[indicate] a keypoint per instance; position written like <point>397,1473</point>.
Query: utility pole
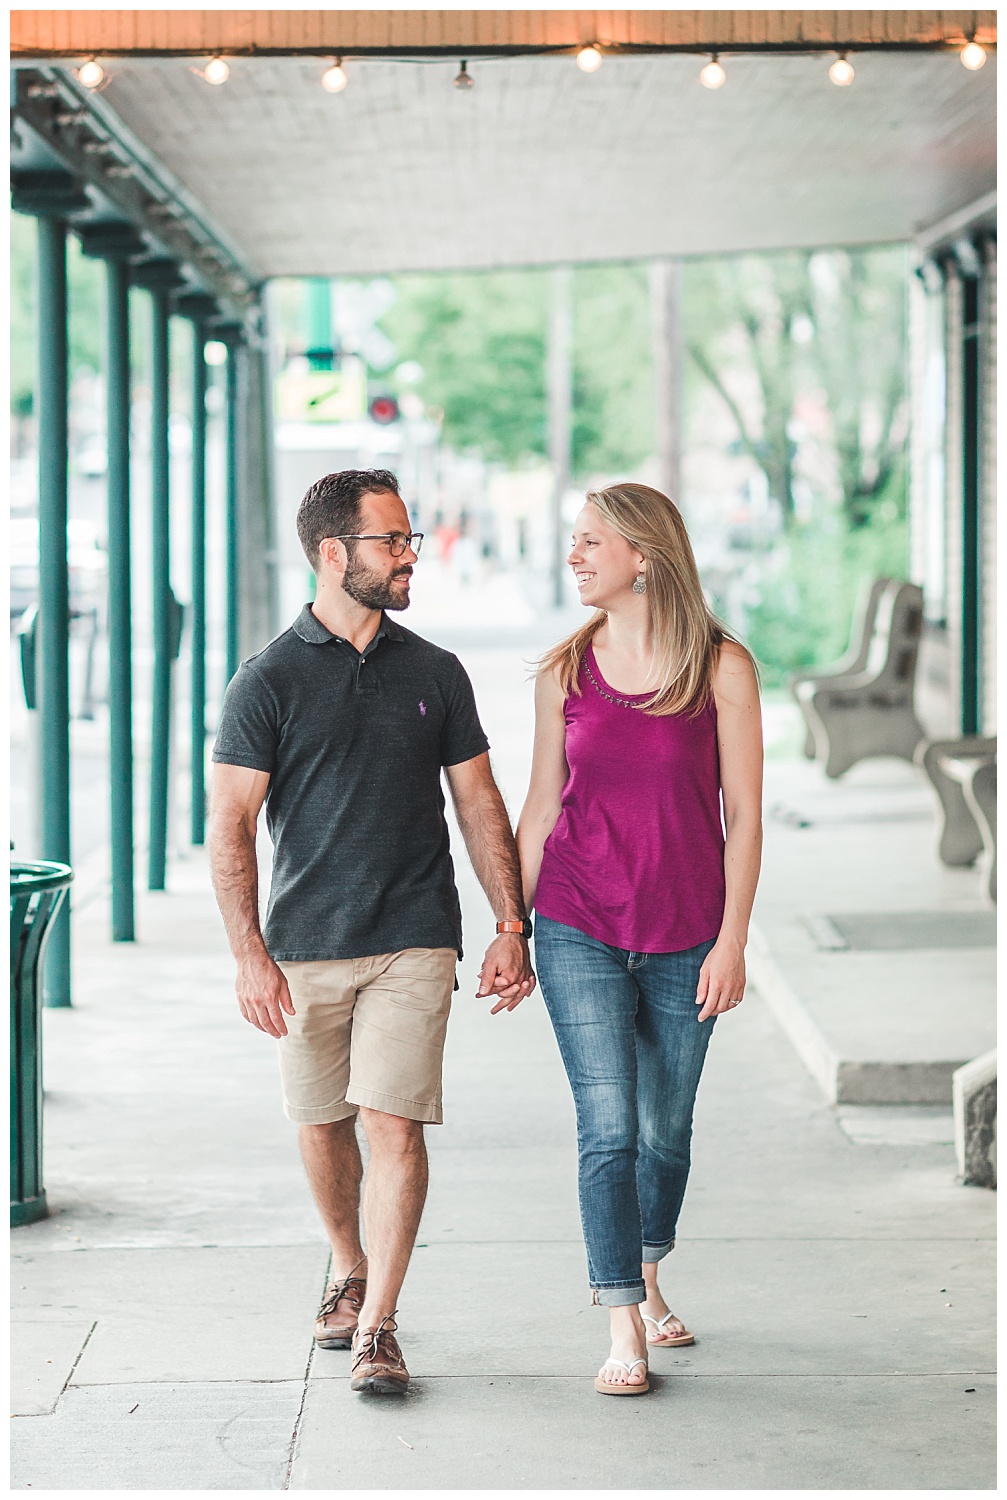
<point>559,401</point>
<point>666,324</point>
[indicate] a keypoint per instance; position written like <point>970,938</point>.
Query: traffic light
<point>384,409</point>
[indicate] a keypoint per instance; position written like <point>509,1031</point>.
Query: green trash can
<point>36,892</point>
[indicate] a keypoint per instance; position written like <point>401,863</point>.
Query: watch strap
<point>518,924</point>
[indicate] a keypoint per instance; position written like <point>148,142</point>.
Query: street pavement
<point>839,1282</point>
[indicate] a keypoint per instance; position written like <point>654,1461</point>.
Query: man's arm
<point>485,826</point>
<point>237,795</point>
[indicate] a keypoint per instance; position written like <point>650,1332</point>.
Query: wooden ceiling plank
<point>53,32</point>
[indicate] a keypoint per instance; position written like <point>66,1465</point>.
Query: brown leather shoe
<point>337,1316</point>
<point>378,1365</point>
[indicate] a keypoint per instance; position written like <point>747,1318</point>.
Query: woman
<point>645,719</point>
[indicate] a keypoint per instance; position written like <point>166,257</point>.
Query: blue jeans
<point>633,1048</point>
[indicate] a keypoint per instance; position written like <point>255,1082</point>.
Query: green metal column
<point>54,599</point>
<point>970,506</point>
<point>161,594</point>
<point>233,583</point>
<point>320,350</point>
<point>198,690</point>
<point>120,626</point>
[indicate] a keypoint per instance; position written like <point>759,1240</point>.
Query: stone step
<point>876,1027</point>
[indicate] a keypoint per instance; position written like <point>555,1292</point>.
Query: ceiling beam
<point>96,150</point>
<point>417,33</point>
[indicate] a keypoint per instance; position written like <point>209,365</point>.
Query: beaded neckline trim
<point>622,702</point>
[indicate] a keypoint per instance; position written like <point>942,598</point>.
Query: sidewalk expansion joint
<point>73,1367</point>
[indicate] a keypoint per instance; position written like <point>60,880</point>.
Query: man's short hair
<point>332,506</point>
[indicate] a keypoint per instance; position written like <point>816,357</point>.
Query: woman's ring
<point>734,1002</point>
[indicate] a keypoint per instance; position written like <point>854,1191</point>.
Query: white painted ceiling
<point>540,163</point>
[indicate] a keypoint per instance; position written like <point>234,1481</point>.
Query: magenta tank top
<point>636,858</point>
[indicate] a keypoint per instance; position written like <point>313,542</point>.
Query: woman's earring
<point>640,583</point>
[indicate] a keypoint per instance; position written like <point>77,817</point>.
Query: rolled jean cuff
<point>653,1253</point>
<point>623,1294</point>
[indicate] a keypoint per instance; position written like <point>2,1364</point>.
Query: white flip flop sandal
<point>668,1340</point>
<point>622,1388</point>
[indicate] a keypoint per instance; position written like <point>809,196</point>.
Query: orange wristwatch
<point>519,924</point>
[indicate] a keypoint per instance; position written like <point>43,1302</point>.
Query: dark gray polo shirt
<point>354,744</point>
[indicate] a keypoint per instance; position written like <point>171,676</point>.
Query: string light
<point>841,71</point>
<point>215,352</point>
<point>334,79</point>
<point>91,73</point>
<point>589,59</point>
<point>713,75</point>
<point>973,56</point>
<point>216,71</point>
<point>464,79</point>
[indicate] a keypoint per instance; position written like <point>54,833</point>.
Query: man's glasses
<point>397,540</point>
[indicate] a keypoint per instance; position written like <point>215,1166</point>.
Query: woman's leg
<point>592,1001</point>
<point>671,1050</point>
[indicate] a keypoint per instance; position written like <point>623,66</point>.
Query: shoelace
<point>351,1287</point>
<point>369,1351</point>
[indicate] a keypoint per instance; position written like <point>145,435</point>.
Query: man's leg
<point>331,1159</point>
<point>394,1194</point>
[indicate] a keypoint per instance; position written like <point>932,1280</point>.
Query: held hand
<point>263,995</point>
<point>721,979</point>
<point>506,972</point>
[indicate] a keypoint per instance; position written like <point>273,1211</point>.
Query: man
<point>342,726</point>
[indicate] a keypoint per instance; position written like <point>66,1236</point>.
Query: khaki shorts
<point>367,1031</point>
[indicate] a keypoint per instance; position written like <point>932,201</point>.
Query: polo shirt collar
<point>311,629</point>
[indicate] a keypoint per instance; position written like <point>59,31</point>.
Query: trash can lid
<point>27,876</point>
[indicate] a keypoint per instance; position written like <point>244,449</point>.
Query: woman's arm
<point>549,772</point>
<point>739,737</point>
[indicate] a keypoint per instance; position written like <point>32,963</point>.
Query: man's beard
<point>374,590</point>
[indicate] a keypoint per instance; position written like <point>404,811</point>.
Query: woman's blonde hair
<point>687,635</point>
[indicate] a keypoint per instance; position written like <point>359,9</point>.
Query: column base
<point>29,1211</point>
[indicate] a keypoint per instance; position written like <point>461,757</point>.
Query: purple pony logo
<point>423,707</point>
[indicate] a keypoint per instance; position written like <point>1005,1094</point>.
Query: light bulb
<point>713,75</point>
<point>334,80</point>
<point>216,71</point>
<point>215,352</point>
<point>841,71</point>
<point>589,59</point>
<point>464,79</point>
<point>973,56</point>
<point>91,73</point>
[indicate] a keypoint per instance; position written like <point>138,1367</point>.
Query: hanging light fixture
<point>973,56</point>
<point>91,73</point>
<point>216,71</point>
<point>841,71</point>
<point>334,79</point>
<point>713,75</point>
<point>464,79</point>
<point>589,59</point>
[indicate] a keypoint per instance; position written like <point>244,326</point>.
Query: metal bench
<point>849,665</point>
<point>869,713</point>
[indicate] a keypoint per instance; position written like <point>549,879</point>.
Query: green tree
<point>613,409</point>
<point>752,302</point>
<point>858,309</point>
<point>797,322</point>
<point>480,339</point>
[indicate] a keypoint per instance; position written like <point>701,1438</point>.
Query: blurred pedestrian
<point>342,726</point>
<point>647,721</point>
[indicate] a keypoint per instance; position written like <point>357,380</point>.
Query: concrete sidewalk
<point>841,1292</point>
